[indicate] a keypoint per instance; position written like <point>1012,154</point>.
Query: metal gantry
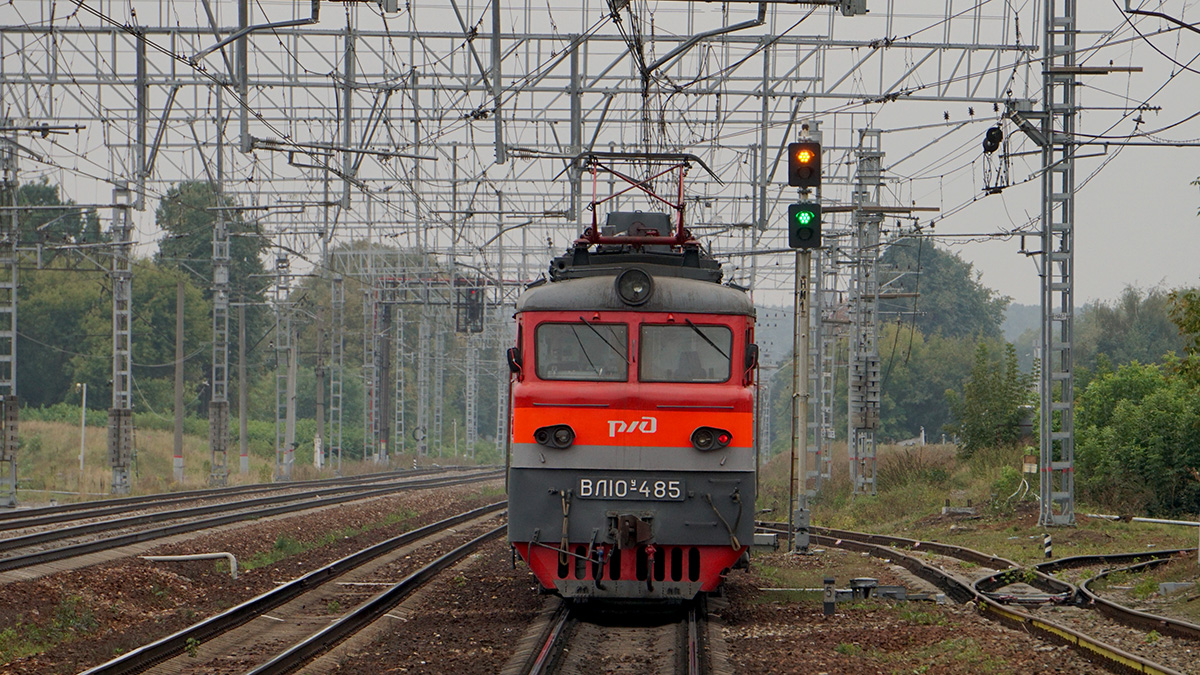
<point>285,367</point>
<point>370,367</point>
<point>864,375</point>
<point>452,129</point>
<point>826,333</point>
<point>1057,379</point>
<point>471,394</point>
<point>8,326</point>
<point>218,406</point>
<point>120,415</point>
<point>337,348</point>
<point>399,389</point>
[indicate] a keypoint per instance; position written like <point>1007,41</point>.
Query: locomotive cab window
<point>582,350</point>
<point>687,353</point>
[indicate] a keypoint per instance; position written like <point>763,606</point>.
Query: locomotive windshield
<point>594,352</point>
<point>688,353</point>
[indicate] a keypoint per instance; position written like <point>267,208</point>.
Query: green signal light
<point>805,230</point>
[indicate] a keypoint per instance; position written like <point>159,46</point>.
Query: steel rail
<point>1060,591</point>
<point>1111,657</point>
<point>1039,579</point>
<point>147,656</point>
<point>1136,618</point>
<point>1108,558</point>
<point>369,611</point>
<point>49,515</point>
<point>949,550</point>
<point>26,540</point>
<point>553,640</point>
<point>18,562</point>
<point>694,647</point>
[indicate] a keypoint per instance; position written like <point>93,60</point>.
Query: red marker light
<point>724,439</point>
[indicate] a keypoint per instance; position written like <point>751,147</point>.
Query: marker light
<point>705,439</point>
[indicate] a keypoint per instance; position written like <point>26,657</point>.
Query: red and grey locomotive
<point>632,459</point>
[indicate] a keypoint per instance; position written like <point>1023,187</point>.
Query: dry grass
<point>48,464</point>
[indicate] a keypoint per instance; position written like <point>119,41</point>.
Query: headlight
<point>634,286</point>
<point>558,436</point>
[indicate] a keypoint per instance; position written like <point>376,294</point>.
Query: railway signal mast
<point>804,234</point>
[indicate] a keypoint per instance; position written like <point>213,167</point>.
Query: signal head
<point>804,164</point>
<point>992,139</point>
<point>804,225</point>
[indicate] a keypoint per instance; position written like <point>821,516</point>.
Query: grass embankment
<point>48,463</point>
<point>915,482</point>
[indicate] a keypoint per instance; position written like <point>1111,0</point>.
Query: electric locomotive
<point>632,459</point>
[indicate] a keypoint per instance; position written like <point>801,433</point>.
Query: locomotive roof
<point>671,294</point>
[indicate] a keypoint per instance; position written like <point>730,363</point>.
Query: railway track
<point>27,518</point>
<point>30,550</point>
<point>247,638</point>
<point>580,639</point>
<point>1140,562</point>
<point>988,593</point>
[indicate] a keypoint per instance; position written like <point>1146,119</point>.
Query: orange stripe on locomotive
<point>647,428</point>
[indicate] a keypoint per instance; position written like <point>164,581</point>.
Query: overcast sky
<point>1136,221</point>
<point>1136,225</point>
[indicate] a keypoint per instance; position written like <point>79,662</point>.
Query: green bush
<point>1137,435</point>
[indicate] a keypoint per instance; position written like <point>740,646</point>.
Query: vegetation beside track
<point>48,463</point>
<point>915,483</point>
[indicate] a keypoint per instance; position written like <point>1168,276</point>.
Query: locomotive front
<point>632,456</point>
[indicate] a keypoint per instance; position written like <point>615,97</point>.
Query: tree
<point>53,344</point>
<point>53,226</point>
<point>952,301</point>
<point>1185,313</point>
<point>187,216</point>
<point>994,400</point>
<point>66,333</point>
<point>1135,327</point>
<point>917,371</point>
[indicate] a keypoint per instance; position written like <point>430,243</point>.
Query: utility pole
<point>289,433</point>
<point>319,441</point>
<point>241,49</point>
<point>178,458</point>
<point>826,303</point>
<point>799,496</point>
<point>804,234</point>
<point>370,365</point>
<point>243,428</point>
<point>497,85</point>
<point>384,358</point>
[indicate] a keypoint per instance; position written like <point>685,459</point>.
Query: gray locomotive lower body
<point>586,514</point>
